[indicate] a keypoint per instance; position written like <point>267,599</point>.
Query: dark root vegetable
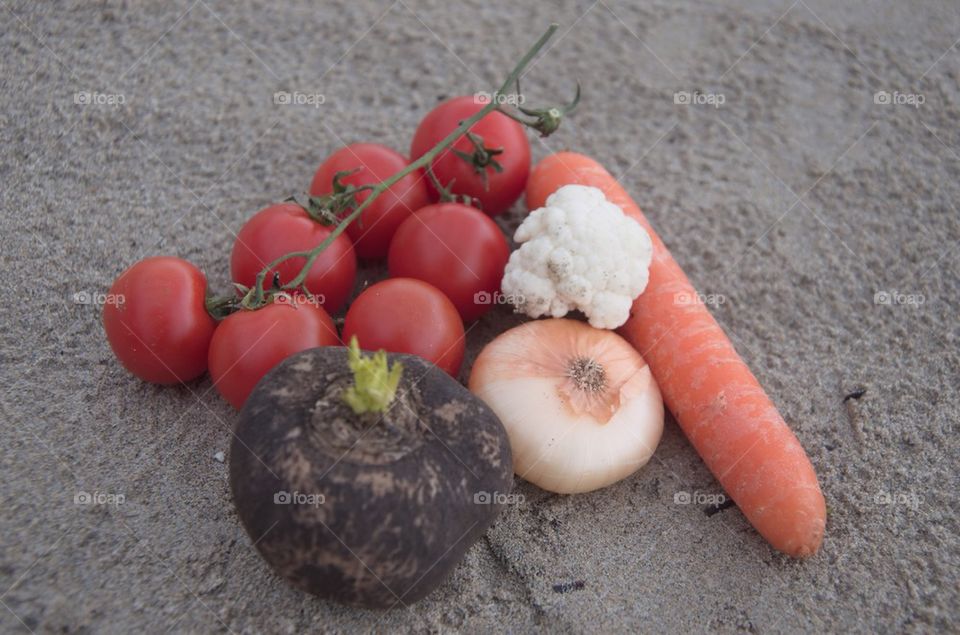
<point>366,509</point>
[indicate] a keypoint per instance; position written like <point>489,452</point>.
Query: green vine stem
<point>257,295</point>
<point>446,192</point>
<point>546,120</point>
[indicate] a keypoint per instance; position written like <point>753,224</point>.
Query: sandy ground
<point>822,224</point>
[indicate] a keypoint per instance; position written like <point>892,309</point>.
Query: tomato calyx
<point>446,193</point>
<point>329,209</point>
<point>220,306</point>
<point>545,120</point>
<point>481,158</point>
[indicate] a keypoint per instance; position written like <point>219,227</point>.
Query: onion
<point>580,405</point>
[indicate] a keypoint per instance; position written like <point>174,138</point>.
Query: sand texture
<point>821,225</point>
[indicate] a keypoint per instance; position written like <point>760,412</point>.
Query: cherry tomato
<point>157,322</point>
<point>248,344</point>
<point>457,249</point>
<point>403,315</point>
<point>372,231</point>
<point>497,131</point>
<point>286,227</point>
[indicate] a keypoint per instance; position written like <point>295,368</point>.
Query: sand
<point>821,223</point>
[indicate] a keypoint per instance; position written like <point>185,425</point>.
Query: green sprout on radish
<point>374,380</point>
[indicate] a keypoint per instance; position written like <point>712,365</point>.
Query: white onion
<point>580,405</point>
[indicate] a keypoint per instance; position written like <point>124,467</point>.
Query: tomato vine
<point>329,208</point>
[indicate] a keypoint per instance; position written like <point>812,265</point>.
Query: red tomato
<point>286,227</point>
<point>497,131</point>
<point>157,322</point>
<point>248,344</point>
<point>371,233</point>
<point>457,249</point>
<point>402,315</point>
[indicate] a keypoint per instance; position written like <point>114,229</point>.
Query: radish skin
<point>716,400</point>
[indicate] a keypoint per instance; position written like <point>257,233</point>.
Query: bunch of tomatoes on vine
<point>295,264</point>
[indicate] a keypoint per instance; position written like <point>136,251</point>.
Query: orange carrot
<point>714,397</point>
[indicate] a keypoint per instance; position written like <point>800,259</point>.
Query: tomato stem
<point>220,306</point>
<point>446,193</point>
<point>545,120</point>
<point>338,201</point>
<point>481,158</point>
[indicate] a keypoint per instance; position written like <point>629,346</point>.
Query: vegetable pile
<point>364,479</point>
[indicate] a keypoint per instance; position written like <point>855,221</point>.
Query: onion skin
<point>561,441</point>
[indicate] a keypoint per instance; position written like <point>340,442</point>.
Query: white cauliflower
<point>578,252</point>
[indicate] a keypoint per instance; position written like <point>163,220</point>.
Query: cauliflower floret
<point>578,252</point>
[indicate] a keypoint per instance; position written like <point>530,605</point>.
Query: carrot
<point>711,392</point>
